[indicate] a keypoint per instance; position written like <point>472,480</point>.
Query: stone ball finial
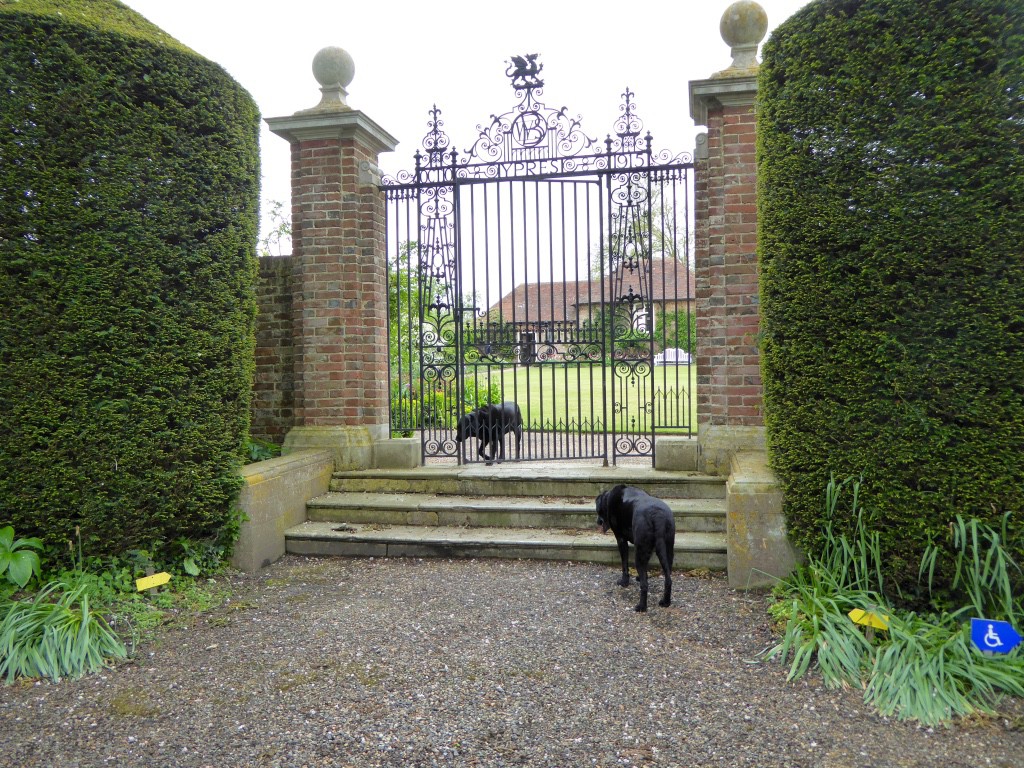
<point>333,66</point>
<point>744,25</point>
<point>334,69</point>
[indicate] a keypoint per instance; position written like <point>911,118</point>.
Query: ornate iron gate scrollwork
<point>545,267</point>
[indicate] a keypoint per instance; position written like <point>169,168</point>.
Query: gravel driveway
<point>338,662</point>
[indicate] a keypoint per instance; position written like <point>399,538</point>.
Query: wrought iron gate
<point>547,268</point>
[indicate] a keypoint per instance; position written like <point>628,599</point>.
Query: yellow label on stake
<point>148,582</point>
<point>878,621</point>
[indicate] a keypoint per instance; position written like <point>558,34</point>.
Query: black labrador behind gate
<point>634,516</point>
<point>489,424</point>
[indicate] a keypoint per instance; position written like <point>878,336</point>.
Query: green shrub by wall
<point>891,224</point>
<point>129,178</point>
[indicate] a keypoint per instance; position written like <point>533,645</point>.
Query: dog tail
<point>665,548</point>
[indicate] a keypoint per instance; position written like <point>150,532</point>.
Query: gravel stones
<point>363,662</point>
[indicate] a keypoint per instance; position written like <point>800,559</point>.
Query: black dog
<point>634,516</point>
<point>490,424</point>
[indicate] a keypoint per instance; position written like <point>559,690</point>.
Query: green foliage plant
<point>415,407</point>
<point>18,563</point>
<point>260,450</point>
<point>415,303</point>
<point>79,621</point>
<point>987,580</point>
<point>56,634</point>
<point>928,670</point>
<point>929,665</point>
<point>924,666</point>
<point>480,391</point>
<point>815,601</point>
<point>890,218</point>
<point>129,195</point>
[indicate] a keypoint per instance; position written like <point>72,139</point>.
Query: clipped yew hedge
<point>129,180</point>
<point>891,243</point>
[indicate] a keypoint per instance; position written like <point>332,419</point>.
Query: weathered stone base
<point>675,454</point>
<point>398,453</point>
<point>274,500</point>
<point>759,552</point>
<point>352,447</point>
<point>718,442</point>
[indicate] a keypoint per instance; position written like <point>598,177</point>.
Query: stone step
<point>529,479</point>
<point>692,550</point>
<point>691,515</point>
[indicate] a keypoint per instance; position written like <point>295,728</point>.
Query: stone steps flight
<point>512,510</point>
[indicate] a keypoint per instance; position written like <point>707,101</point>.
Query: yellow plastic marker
<point>148,582</point>
<point>876,620</point>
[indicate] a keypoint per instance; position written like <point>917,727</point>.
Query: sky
<point>412,54</point>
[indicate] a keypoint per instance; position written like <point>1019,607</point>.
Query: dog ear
<point>602,515</point>
<point>616,493</point>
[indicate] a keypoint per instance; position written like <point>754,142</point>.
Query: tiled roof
<point>671,282</point>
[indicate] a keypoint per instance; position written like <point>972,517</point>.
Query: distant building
<point>543,319</point>
<point>671,289</point>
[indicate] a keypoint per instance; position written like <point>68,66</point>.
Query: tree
<point>421,328</point>
<point>649,226</point>
<point>280,233</point>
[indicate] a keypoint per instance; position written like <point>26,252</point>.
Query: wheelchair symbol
<point>991,636</point>
<point>992,639</point>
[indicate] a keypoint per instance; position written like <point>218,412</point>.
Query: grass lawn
<point>550,394</point>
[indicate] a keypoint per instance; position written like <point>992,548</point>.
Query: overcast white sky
<point>411,54</point>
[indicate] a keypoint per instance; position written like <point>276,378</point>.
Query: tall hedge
<point>891,241</point>
<point>129,181</point>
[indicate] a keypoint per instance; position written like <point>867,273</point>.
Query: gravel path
<point>337,662</point>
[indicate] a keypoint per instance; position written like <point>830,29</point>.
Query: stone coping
<point>268,469</point>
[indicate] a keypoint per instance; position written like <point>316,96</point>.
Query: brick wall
<point>340,307</point>
<point>729,376</point>
<point>274,388</point>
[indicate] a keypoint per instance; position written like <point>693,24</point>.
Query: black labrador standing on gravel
<point>634,516</point>
<point>489,424</point>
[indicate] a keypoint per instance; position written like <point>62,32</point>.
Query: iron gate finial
<point>524,70</point>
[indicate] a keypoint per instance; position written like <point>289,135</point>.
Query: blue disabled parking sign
<point>994,636</point>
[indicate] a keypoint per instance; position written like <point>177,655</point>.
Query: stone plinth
<point>675,454</point>
<point>759,552</point>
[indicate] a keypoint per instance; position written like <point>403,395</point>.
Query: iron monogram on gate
<point>544,267</point>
